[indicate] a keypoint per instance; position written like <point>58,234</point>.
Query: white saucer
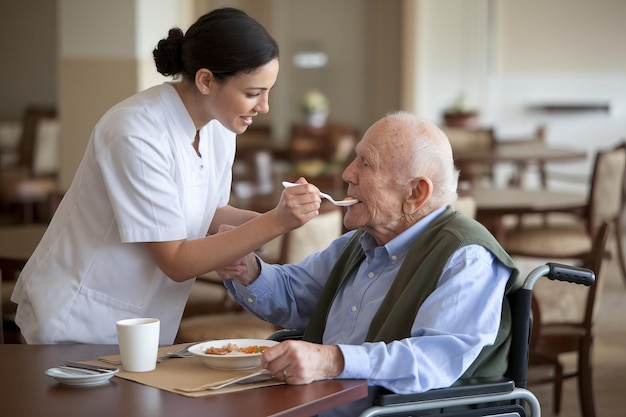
<point>76,379</point>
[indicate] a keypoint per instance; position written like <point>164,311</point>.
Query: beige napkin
<point>186,373</point>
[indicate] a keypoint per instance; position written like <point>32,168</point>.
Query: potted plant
<point>457,115</point>
<point>315,107</point>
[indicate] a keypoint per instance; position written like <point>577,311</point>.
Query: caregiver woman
<point>130,235</point>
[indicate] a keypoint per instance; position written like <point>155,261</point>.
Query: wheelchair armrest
<point>286,334</point>
<point>470,387</point>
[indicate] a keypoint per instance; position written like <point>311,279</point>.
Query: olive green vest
<point>416,280</point>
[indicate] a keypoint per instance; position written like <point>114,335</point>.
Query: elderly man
<point>412,298</point>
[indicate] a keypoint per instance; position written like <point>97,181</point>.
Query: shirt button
<point>353,309</point>
<point>371,275</point>
<point>394,257</point>
<point>250,300</point>
<point>201,167</point>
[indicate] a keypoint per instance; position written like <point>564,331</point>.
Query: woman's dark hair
<point>225,41</point>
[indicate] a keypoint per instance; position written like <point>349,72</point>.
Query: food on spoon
<point>232,347</point>
<point>349,199</point>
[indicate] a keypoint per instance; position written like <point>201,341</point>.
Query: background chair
<point>466,204</point>
<point>32,180</point>
<point>331,143</point>
<point>563,323</point>
<point>570,235</point>
<point>522,168</point>
<point>17,243</point>
<point>313,236</point>
<point>472,141</point>
<point>1,315</point>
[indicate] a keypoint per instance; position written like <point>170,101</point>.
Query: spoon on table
<point>345,202</point>
<point>231,381</point>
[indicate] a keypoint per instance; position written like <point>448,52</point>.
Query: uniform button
<point>371,275</point>
<point>353,309</point>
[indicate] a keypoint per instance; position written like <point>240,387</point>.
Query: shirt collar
<point>399,245</point>
<point>177,109</point>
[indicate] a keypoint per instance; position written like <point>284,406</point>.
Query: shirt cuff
<point>249,294</point>
<point>355,357</point>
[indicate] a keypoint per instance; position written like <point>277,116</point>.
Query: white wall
<point>452,55</point>
<point>508,56</point>
<point>154,18</point>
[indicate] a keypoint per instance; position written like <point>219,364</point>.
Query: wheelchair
<point>504,397</point>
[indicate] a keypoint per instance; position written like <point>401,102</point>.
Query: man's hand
<point>298,362</point>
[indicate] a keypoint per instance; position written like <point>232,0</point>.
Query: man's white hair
<point>430,156</point>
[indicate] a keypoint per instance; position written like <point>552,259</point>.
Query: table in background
<point>27,391</point>
<point>492,204</point>
<point>523,151</point>
<point>521,154</point>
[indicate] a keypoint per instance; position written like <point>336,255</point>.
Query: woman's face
<point>235,102</point>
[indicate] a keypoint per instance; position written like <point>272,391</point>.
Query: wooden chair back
<point>28,143</point>
<point>552,337</point>
<point>313,236</point>
<point>606,198</point>
<point>471,141</point>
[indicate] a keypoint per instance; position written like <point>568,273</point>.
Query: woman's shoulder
<point>145,111</point>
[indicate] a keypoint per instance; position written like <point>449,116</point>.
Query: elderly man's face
<point>373,176</point>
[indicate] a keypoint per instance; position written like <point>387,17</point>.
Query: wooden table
<point>521,154</point>
<point>524,151</point>
<point>27,391</point>
<point>494,203</point>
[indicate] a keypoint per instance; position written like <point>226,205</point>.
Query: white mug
<point>138,340</point>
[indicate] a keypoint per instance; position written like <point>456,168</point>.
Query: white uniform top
<point>140,180</point>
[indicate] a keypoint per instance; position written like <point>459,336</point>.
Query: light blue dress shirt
<point>454,323</point>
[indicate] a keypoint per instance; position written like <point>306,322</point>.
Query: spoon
<point>343,203</point>
<point>227,382</point>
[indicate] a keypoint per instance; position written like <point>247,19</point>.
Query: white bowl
<point>232,360</point>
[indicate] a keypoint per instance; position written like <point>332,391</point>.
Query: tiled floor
<point>609,356</point>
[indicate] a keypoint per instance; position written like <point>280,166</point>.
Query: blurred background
<point>520,64</point>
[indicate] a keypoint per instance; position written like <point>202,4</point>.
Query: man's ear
<point>421,190</point>
<point>204,80</point>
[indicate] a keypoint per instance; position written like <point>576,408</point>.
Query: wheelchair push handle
<point>560,272</point>
<point>573,274</point>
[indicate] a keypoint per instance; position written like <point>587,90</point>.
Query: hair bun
<point>167,54</point>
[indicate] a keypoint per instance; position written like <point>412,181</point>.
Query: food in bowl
<point>247,355</point>
<point>233,347</point>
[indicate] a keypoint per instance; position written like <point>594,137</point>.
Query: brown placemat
<point>186,373</point>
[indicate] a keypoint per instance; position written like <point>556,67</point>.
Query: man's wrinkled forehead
<point>386,143</point>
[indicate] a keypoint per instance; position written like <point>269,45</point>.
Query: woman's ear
<point>204,77</point>
<point>420,192</point>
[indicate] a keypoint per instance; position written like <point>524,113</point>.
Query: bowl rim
<point>198,348</point>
